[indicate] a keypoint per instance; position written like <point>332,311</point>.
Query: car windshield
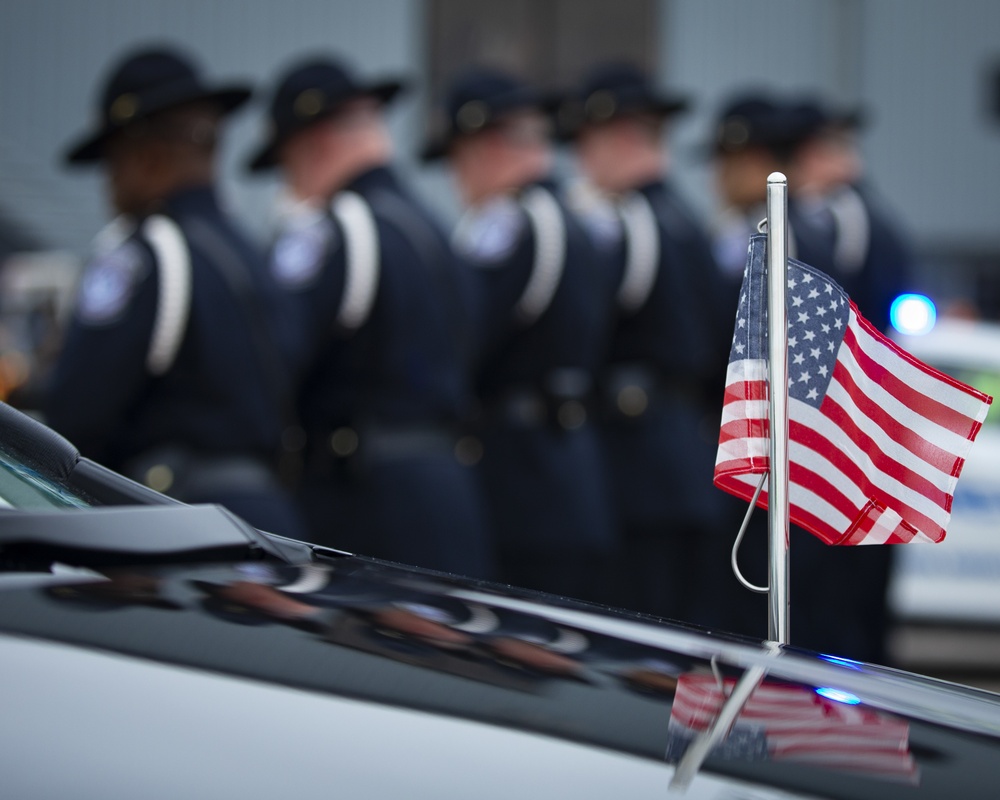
<point>23,487</point>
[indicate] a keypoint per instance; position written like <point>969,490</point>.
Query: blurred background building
<point>927,72</point>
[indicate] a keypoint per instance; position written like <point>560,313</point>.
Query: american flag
<point>877,439</point>
<point>793,724</point>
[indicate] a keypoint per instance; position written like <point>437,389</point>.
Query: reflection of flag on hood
<point>793,724</point>
<point>877,439</point>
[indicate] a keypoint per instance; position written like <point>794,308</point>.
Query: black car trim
<point>35,444</point>
<point>100,484</point>
<point>97,537</point>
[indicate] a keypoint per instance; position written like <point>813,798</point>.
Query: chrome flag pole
<point>777,336</point>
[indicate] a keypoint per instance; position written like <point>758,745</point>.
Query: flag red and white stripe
<point>877,439</point>
<point>798,725</point>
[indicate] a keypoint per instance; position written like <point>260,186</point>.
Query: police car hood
<point>259,676</point>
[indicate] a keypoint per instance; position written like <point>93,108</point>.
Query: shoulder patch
<point>603,224</point>
<point>596,213</point>
<point>108,284</point>
<point>489,234</point>
<point>299,251</point>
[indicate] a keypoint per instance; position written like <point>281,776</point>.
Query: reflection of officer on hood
<point>299,596</point>
<point>406,618</point>
<point>120,589</point>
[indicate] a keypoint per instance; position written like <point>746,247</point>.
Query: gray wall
<point>53,54</point>
<point>935,147</point>
<point>918,64</point>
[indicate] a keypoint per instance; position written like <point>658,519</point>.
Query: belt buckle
<point>571,415</point>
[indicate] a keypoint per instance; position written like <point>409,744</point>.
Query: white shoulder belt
<point>361,246</point>
<point>173,268</point>
<point>643,254</point>
<point>550,254</point>
<point>853,230</point>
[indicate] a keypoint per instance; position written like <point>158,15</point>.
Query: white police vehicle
<point>958,580</point>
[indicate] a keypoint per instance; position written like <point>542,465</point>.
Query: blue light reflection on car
<point>913,314</point>
<point>844,662</point>
<point>838,696</point>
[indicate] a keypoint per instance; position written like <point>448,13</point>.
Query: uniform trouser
<point>548,497</point>
<point>577,576</point>
<point>838,594</point>
<point>244,484</point>
<point>675,556</point>
<point>271,510</point>
<point>839,598</point>
<point>424,510</point>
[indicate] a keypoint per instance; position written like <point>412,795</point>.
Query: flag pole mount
<point>778,512</point>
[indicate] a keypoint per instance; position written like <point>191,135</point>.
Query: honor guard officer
<point>168,372</point>
<point>757,135</point>
<point>751,139</point>
<point>850,237</point>
<point>663,381</point>
<point>381,310</point>
<point>866,252</point>
<point>543,327</point>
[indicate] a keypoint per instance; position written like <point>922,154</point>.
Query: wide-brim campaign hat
<point>808,116</point>
<point>610,91</point>
<point>309,92</point>
<point>142,84</point>
<point>756,119</point>
<point>478,100</point>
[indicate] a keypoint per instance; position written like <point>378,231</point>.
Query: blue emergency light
<point>913,314</point>
<point>838,696</point>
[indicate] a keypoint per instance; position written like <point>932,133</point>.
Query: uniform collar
<point>374,178</point>
<point>192,199</point>
<point>548,183</point>
<point>648,189</point>
<point>289,208</point>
